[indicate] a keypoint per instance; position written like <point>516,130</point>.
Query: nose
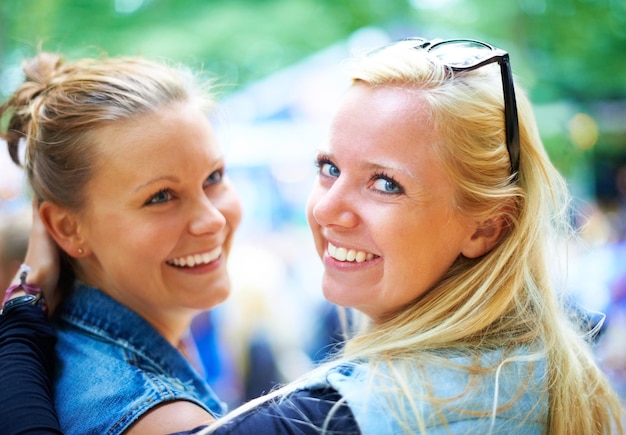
<point>206,217</point>
<point>334,206</point>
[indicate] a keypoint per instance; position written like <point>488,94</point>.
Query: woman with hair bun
<point>438,215</point>
<point>130,184</point>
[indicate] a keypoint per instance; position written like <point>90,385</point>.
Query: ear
<point>486,235</point>
<point>64,228</point>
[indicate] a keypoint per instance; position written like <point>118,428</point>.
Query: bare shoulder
<point>171,417</point>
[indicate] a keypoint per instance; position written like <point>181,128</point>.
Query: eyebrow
<point>157,180</point>
<point>216,162</point>
<point>374,166</point>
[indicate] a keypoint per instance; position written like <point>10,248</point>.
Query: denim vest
<point>113,367</point>
<point>464,401</point>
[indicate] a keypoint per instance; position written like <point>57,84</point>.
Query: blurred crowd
<point>597,276</point>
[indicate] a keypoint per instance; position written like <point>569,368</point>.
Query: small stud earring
<point>80,251</point>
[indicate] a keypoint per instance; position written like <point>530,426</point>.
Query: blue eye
<point>214,178</point>
<point>328,169</point>
<point>160,197</point>
<point>386,184</point>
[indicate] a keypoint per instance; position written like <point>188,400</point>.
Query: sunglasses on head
<point>468,55</point>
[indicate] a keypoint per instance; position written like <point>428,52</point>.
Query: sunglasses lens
<point>459,54</point>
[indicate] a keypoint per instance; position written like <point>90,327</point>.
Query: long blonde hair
<point>506,299</point>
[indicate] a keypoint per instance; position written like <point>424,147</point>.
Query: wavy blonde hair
<point>508,297</point>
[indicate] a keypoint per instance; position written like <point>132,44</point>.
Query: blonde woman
<point>437,214</point>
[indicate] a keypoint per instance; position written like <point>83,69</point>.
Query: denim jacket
<point>113,367</point>
<point>463,402</point>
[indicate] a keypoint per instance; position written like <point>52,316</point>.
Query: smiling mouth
<point>349,255</point>
<point>197,259</point>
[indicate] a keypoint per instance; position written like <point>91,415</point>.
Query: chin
<point>336,297</point>
<point>217,296</point>
<point>207,305</point>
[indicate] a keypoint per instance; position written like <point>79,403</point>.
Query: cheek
<point>430,254</point>
<point>100,231</point>
<point>313,224</point>
<point>150,240</point>
<point>412,246</point>
<point>311,202</point>
<point>233,212</point>
<point>145,237</point>
<point>315,227</point>
<point>229,205</point>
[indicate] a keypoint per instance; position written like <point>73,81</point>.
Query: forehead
<point>150,130</point>
<point>176,135</point>
<point>383,120</point>
<point>389,129</point>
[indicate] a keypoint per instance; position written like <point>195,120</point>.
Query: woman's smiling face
<point>160,214</point>
<point>382,210</point>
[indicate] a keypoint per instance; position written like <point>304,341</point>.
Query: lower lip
<point>202,268</point>
<point>348,266</point>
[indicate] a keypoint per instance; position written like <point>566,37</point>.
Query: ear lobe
<point>63,227</point>
<point>485,237</point>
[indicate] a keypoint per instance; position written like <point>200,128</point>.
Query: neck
<point>171,323</point>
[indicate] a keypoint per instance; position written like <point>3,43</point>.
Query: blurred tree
<point>240,40</point>
<point>565,48</point>
<point>579,46</point>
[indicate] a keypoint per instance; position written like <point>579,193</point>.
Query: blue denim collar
<point>92,310</point>
<point>108,355</point>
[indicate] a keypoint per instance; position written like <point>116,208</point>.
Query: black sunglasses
<point>469,54</point>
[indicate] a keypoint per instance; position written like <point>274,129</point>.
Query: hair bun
<point>38,72</point>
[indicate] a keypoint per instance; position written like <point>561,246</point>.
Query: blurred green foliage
<point>566,48</point>
<point>568,53</point>
<point>237,39</point>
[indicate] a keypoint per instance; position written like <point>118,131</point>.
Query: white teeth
<point>343,254</point>
<point>197,259</point>
<point>331,249</point>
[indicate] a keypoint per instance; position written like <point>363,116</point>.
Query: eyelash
<point>380,175</point>
<point>151,200</point>
<point>208,183</point>
<point>220,172</point>
<point>321,161</point>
